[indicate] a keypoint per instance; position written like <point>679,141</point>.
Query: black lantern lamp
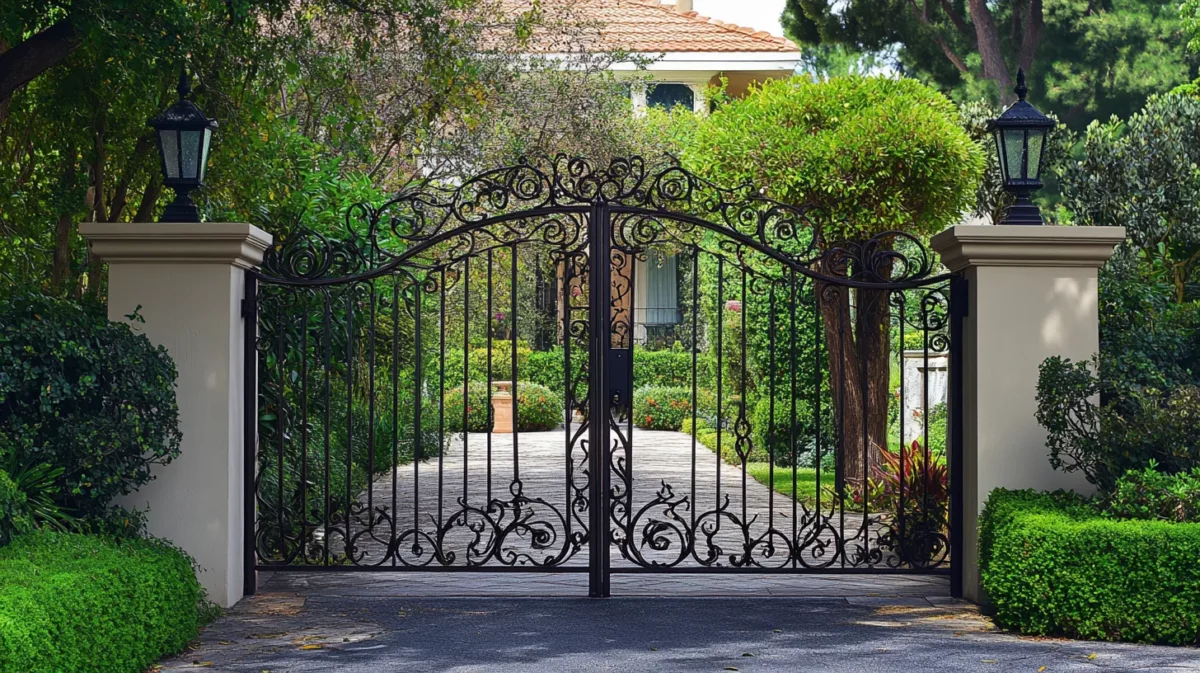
<point>1020,134</point>
<point>183,134</point>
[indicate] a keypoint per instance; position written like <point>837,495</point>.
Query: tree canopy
<point>321,103</point>
<point>1085,60</point>
<point>872,153</point>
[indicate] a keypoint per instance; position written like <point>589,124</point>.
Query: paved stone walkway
<point>677,490</point>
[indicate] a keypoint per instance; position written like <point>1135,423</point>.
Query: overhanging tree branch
<point>36,55</point>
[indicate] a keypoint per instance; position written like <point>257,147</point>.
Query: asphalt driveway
<point>374,624</point>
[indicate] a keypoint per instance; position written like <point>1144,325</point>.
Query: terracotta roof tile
<point>650,26</point>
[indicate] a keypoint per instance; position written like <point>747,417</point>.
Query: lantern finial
<point>1020,89</point>
<point>185,87</point>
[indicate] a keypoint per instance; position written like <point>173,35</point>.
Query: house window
<point>667,96</point>
<point>662,291</point>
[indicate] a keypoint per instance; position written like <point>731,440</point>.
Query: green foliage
<point>1149,494</point>
<point>1051,565</point>
<point>671,367</point>
<point>657,407</point>
<point>71,602</point>
<point>27,498</point>
<point>1144,174</point>
<point>1083,60</point>
<point>545,368</point>
<point>85,395</point>
<point>1131,428</point>
<point>872,153</point>
<point>916,489</point>
<point>776,427</point>
<point>538,408</point>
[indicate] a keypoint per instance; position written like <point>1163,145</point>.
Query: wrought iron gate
<point>377,354</point>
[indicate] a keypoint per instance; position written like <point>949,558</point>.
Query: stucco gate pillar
<point>1031,294</point>
<point>188,279</point>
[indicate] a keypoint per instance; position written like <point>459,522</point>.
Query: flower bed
<point>1052,564</point>
<point>79,603</point>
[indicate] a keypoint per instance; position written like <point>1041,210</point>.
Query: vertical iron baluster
<point>924,476</point>
<point>840,480</point>
<point>327,352</point>
<point>792,430</point>
<point>515,386</point>
<point>371,410</point>
<point>695,385</point>
<point>488,393</point>
<point>770,411</point>
<point>418,374</point>
<point>349,416</point>
<point>720,367</point>
<point>818,364</point>
<point>441,395</point>
<point>395,410</point>
<point>741,422</point>
<point>903,540</point>
<point>632,257</point>
<point>303,432</point>
<point>282,422</point>
<point>862,299</point>
<point>466,366</point>
<point>567,411</point>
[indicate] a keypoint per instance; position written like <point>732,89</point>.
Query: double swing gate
<point>814,382</point>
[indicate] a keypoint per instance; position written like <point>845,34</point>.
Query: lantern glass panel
<point>169,140</point>
<point>204,152</point>
<point>191,153</point>
<point>1036,138</point>
<point>1014,153</point>
<point>998,134</point>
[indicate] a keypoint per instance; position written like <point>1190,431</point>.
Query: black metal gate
<point>816,382</point>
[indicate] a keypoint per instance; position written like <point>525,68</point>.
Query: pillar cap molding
<point>234,243</point>
<point>965,246</point>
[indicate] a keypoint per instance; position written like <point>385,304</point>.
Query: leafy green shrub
<point>1132,426</point>
<point>86,395</point>
<point>1151,495</point>
<point>667,407</point>
<point>671,367</point>
<point>1051,565</point>
<point>545,368</point>
<point>78,603</point>
<point>775,428</point>
<point>538,408</point>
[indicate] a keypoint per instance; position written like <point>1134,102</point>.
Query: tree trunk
<point>988,42</point>
<point>857,329</point>
<point>60,274</point>
<point>36,55</point>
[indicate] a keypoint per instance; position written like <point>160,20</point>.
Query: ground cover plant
<point>79,603</point>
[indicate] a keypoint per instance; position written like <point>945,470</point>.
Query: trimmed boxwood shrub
<point>1052,565</point>
<point>85,394</point>
<point>538,408</point>
<point>85,604</point>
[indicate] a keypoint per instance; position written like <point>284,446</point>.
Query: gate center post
<point>599,317</point>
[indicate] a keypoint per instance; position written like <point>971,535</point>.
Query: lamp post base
<point>1023,212</point>
<point>182,209</point>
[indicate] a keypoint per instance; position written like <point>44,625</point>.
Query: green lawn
<point>805,477</point>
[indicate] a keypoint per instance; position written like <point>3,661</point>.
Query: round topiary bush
<point>84,394</point>
<point>538,408</point>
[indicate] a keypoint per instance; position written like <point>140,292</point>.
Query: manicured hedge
<point>78,603</point>
<point>1052,565</point>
